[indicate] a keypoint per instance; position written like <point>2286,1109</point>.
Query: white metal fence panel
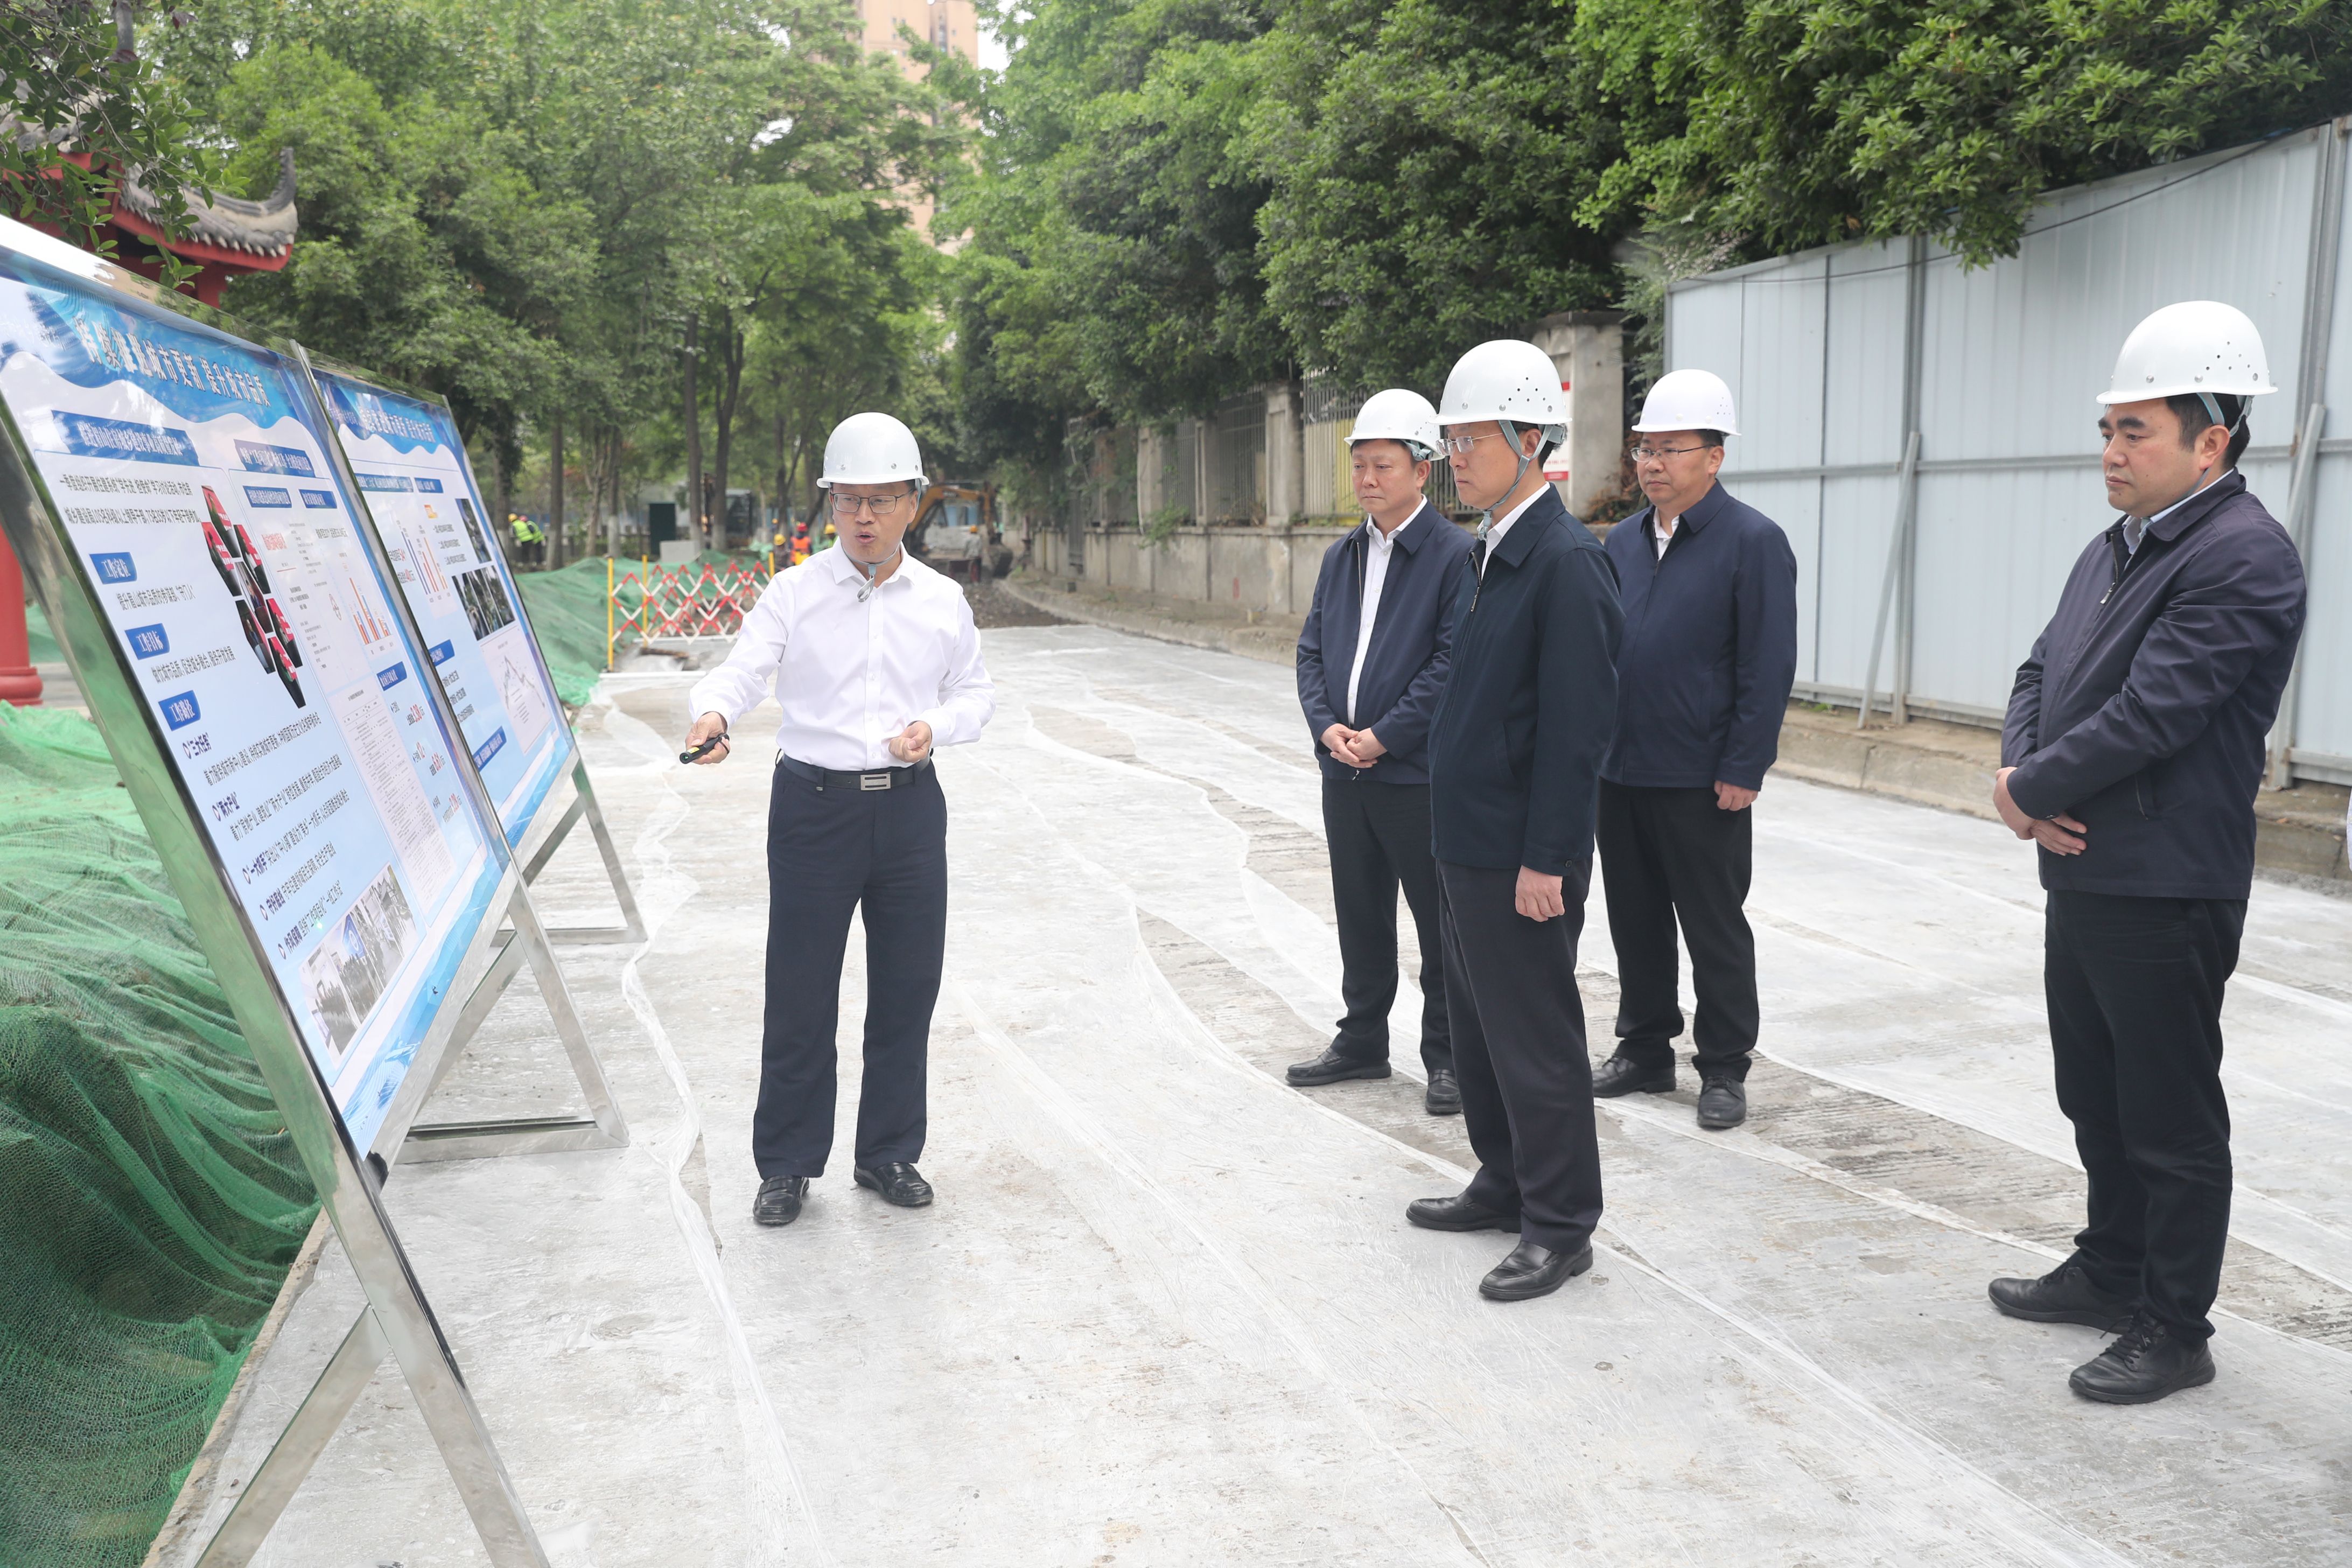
<point>1835,355</point>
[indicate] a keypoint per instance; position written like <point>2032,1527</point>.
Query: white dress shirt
<point>1495,531</point>
<point>849,672</point>
<point>1378,548</point>
<point>1662,533</point>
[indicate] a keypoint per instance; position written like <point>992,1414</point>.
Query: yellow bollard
<point>608,611</point>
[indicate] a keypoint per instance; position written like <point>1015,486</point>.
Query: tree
<point>1791,123</point>
<point>86,108</point>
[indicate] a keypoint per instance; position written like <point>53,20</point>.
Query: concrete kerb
<point>2299,833</point>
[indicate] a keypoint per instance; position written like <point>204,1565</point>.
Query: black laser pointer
<point>701,750</point>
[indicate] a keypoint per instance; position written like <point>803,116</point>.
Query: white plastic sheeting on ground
<point>1167,1310</point>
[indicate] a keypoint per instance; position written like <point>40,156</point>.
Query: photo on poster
<point>347,975</point>
<point>487,608</point>
<point>473,529</point>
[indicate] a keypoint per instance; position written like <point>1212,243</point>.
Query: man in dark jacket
<point>1710,587</point>
<point>1371,662</point>
<point>1513,760</point>
<point>2134,746</point>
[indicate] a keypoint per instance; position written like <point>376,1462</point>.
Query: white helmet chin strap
<point>1510,433</point>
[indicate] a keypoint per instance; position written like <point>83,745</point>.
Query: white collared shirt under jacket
<point>1378,548</point>
<point>850,673</point>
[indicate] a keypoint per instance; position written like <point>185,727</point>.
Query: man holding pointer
<point>875,660</point>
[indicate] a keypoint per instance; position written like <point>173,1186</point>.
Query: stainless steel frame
<point>400,1137</point>
<point>399,1318</point>
<point>547,832</point>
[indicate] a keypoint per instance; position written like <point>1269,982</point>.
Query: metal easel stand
<point>601,1128</point>
<point>541,848</point>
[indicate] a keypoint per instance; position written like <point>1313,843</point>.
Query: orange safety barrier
<point>690,601</point>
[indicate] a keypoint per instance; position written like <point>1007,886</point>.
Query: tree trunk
<point>555,492</point>
<point>784,471</point>
<point>500,482</point>
<point>612,515</point>
<point>723,400</point>
<point>698,524</point>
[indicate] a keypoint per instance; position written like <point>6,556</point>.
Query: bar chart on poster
<point>407,456</point>
<point>187,471</point>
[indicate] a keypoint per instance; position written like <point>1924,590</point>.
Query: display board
<point>188,471</point>
<point>406,457</point>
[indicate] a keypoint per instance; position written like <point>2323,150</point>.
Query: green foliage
<point>1798,122</point>
<point>1427,160</point>
<point>85,107</point>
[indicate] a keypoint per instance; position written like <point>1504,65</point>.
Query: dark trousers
<point>1379,837</point>
<point>1669,853</point>
<point>830,852</point>
<point>2135,989</point>
<point>1518,1049</point>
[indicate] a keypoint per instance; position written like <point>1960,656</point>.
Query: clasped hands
<point>1356,748</point>
<point>2060,834</point>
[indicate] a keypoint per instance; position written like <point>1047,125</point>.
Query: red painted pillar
<point>20,683</point>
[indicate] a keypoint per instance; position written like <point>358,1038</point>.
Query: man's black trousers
<point>1379,837</point>
<point>1674,852</point>
<point>2135,989</point>
<point>832,851</point>
<point>1518,1051</point>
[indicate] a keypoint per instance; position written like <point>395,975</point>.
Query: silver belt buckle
<point>873,781</point>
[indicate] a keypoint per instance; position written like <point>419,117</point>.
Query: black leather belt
<point>880,778</point>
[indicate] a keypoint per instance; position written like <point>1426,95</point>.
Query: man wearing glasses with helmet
<point>874,660</point>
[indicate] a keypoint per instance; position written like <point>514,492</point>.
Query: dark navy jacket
<point>1710,648</point>
<point>2145,711</point>
<point>1514,757</point>
<point>1412,637</point>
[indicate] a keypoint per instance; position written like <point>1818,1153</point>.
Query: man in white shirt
<point>1371,665</point>
<point>875,660</point>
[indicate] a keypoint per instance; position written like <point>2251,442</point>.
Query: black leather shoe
<point>2147,1361</point>
<point>1444,1095</point>
<point>1531,1271</point>
<point>780,1200</point>
<point>898,1181</point>
<point>2064,1295</point>
<point>1458,1213</point>
<point>1722,1102</point>
<point>1619,1076</point>
<point>1332,1067</point>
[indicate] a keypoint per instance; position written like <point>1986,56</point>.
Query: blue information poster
<point>189,471</point>
<point>419,488</point>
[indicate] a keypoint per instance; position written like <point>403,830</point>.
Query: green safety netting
<point>151,1202</point>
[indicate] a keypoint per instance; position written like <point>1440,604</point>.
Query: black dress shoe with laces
<point>898,1181</point>
<point>779,1199</point>
<point>1444,1096</point>
<point>1722,1102</point>
<point>1458,1213</point>
<point>1622,1075</point>
<point>1531,1271</point>
<point>2147,1361</point>
<point>1332,1067</point>
<point>2064,1295</point>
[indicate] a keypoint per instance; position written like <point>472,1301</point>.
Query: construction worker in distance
<point>828,539</point>
<point>875,661</point>
<point>1372,659</point>
<point>530,538</point>
<point>1513,764</point>
<point>2136,736</point>
<point>800,551</point>
<point>1710,587</point>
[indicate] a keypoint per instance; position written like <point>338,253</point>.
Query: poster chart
<point>412,471</point>
<point>188,470</point>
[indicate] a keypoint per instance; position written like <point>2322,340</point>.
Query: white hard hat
<point>1688,400</point>
<point>2196,347</point>
<point>1398,415</point>
<point>871,449</point>
<point>1508,379</point>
